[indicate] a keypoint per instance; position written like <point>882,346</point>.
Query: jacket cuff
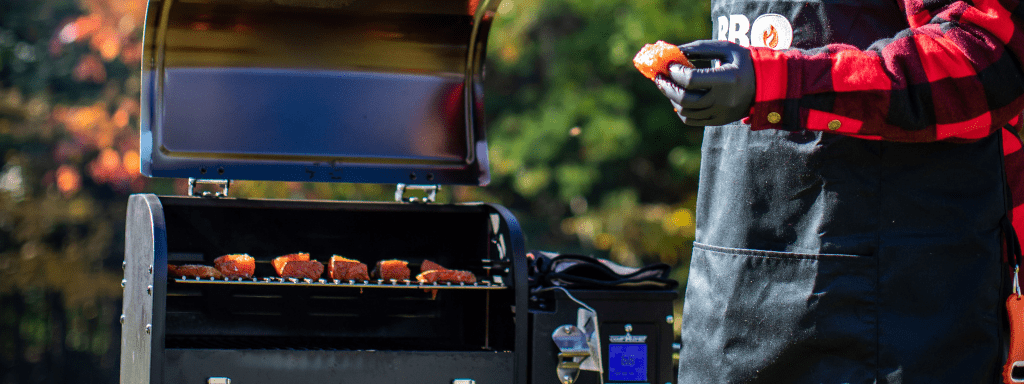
<point>772,71</point>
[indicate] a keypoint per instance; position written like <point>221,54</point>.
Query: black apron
<point>821,258</point>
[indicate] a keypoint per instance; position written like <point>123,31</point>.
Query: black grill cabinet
<point>270,330</point>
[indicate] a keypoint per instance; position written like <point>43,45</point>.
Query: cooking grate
<point>282,282</point>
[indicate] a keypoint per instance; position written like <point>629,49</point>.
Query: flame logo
<point>771,37</point>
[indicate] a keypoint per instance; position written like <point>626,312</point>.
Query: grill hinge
<point>224,184</point>
<point>431,191</point>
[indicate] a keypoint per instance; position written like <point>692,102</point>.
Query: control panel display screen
<point>627,362</point>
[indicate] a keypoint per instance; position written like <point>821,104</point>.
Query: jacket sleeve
<point>954,75</point>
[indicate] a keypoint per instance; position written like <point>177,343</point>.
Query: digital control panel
<point>627,357</point>
<point>632,345</point>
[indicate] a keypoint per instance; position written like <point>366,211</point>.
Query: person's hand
<point>711,96</point>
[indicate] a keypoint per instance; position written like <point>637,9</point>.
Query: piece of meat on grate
<point>297,265</point>
<point>391,270</point>
<point>236,266</point>
<point>193,270</point>
<point>428,265</point>
<point>340,268</point>
<point>431,272</point>
<point>446,276</point>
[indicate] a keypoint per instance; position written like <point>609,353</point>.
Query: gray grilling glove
<point>711,96</point>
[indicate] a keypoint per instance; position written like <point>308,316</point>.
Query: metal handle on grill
<point>573,347</point>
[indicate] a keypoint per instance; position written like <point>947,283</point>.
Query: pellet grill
<point>358,91</point>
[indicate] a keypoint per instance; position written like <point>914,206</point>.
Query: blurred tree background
<point>583,149</point>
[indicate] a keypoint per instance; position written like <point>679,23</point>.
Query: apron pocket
<point>777,317</point>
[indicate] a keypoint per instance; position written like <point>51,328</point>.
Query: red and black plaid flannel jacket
<point>957,74</point>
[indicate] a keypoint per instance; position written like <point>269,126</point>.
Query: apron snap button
<point>834,124</point>
<point>774,117</point>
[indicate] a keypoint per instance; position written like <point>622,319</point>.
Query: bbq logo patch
<point>770,30</point>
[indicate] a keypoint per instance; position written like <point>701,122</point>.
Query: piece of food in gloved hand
<point>297,265</point>
<point>341,268</point>
<point>431,272</point>
<point>446,276</point>
<point>236,266</point>
<point>194,270</point>
<point>391,270</point>
<point>655,58</point>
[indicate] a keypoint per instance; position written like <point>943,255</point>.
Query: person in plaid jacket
<point>861,170</point>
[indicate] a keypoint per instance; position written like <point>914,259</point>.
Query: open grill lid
<point>367,91</point>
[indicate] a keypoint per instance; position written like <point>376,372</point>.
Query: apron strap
<point>1013,255</point>
<point>1013,370</point>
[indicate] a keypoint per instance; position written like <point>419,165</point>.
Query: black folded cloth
<point>548,269</point>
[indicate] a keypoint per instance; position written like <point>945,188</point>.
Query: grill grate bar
<point>393,284</point>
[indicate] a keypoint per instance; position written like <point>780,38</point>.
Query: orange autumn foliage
<point>102,134</point>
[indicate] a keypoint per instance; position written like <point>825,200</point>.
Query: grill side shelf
<point>393,284</point>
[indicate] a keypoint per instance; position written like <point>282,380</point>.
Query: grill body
<point>269,330</point>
